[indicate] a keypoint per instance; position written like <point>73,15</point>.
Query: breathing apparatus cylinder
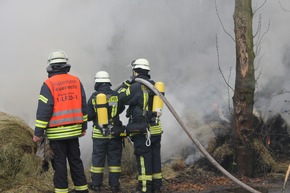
<point>102,110</point>
<point>157,101</point>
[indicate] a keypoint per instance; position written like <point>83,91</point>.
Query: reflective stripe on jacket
<point>67,111</point>
<point>64,132</point>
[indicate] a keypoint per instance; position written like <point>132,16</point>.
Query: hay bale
<point>17,154</point>
<point>266,160</point>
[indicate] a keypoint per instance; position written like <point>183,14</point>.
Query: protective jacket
<point>62,109</point>
<point>139,98</point>
<point>109,146</point>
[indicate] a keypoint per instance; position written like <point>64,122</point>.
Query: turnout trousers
<point>110,150</point>
<point>148,163</point>
<point>68,150</point>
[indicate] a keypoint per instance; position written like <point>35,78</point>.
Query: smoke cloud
<point>177,37</point>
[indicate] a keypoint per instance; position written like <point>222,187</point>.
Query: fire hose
<point>193,139</point>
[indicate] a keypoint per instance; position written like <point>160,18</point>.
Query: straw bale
<point>19,167</point>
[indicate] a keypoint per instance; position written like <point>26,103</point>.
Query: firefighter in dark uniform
<point>107,127</point>
<point>144,128</point>
<point>62,117</point>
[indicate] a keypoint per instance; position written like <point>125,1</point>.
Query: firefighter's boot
<point>156,190</point>
<point>95,188</point>
<point>115,189</point>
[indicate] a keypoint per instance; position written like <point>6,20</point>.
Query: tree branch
<point>260,7</point>
<point>283,7</point>
<point>219,67</point>
<point>222,22</point>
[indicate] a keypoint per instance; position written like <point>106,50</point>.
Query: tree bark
<point>243,99</point>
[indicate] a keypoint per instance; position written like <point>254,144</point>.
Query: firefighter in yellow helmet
<point>144,128</point>
<point>104,110</point>
<point>62,117</point>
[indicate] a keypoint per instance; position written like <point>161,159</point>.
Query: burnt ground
<point>220,184</point>
<point>209,184</point>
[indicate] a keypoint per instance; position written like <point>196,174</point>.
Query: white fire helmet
<point>102,76</point>
<point>57,56</point>
<point>140,63</point>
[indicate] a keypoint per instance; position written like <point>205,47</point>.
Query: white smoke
<point>177,37</point>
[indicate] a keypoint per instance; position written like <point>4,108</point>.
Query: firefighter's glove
<point>127,83</point>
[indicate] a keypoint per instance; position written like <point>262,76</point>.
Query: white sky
<point>177,37</point>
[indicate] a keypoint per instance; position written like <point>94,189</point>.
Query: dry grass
<point>20,168</point>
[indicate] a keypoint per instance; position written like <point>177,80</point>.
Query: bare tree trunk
<point>243,99</point>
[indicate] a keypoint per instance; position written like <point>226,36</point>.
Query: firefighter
<point>62,115</point>
<point>104,110</point>
<point>144,128</point>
